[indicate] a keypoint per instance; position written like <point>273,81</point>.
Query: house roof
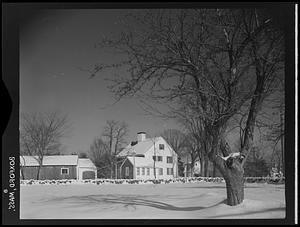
<point>140,148</point>
<point>49,160</point>
<point>140,161</point>
<point>86,162</point>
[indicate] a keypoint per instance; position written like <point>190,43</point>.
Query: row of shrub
<point>269,180</point>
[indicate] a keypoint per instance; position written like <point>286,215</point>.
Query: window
<point>148,171</point>
<point>138,171</point>
<point>143,171</point>
<point>169,159</point>
<point>127,171</point>
<point>64,171</point>
<point>169,171</point>
<point>161,146</point>
<point>160,171</point>
<point>157,158</point>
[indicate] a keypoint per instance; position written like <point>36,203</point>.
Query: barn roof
<point>140,148</point>
<point>141,161</point>
<point>86,162</point>
<point>28,161</point>
<point>49,160</point>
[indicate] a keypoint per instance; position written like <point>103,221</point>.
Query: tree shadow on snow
<point>207,187</point>
<point>129,201</point>
<point>222,186</point>
<point>154,204</point>
<point>249,213</point>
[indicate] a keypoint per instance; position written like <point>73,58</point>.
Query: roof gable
<point>86,162</point>
<point>140,148</point>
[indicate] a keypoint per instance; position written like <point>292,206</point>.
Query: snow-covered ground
<point>149,201</point>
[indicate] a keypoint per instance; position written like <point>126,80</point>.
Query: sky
<point>55,45</point>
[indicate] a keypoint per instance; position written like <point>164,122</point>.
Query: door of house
<point>126,171</point>
<point>88,175</point>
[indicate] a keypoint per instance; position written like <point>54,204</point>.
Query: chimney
<point>141,136</point>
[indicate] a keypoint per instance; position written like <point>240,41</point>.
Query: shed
<point>56,167</point>
<point>86,169</point>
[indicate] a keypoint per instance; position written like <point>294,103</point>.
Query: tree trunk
<point>234,186</point>
<point>232,171</point>
<point>282,155</point>
<point>22,173</point>
<point>200,161</point>
<point>255,106</point>
<point>22,168</point>
<point>111,171</point>
<point>205,166</point>
<point>192,165</point>
<point>38,173</point>
<point>202,167</point>
<point>214,170</point>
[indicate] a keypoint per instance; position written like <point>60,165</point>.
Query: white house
<point>191,171</point>
<point>148,158</point>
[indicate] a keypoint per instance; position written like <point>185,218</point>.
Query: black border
<point>14,13</point>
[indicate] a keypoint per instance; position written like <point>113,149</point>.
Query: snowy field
<point>149,201</point>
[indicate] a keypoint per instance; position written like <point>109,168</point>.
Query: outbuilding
<point>56,167</point>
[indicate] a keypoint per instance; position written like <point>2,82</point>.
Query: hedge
<point>269,180</point>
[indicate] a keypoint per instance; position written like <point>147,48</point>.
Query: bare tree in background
<point>233,58</point>
<point>195,127</point>
<point>41,135</point>
<point>276,130</point>
<point>99,153</point>
<point>177,140</point>
<point>114,134</point>
<point>108,133</point>
<point>192,151</point>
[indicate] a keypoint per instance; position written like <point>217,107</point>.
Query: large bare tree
<point>222,60</point>
<point>41,134</point>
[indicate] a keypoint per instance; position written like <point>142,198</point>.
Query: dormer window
<point>133,143</point>
<point>161,146</point>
